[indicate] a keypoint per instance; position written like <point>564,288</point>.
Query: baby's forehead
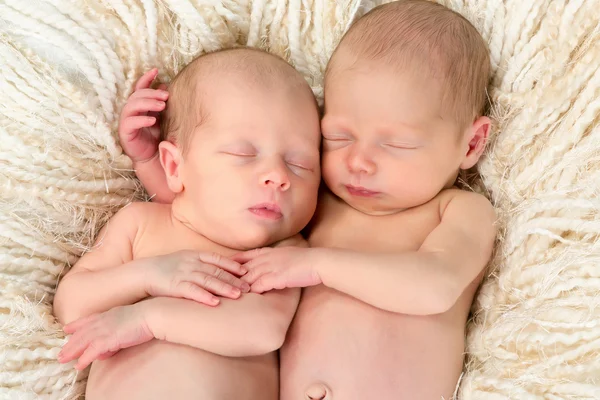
<point>424,38</point>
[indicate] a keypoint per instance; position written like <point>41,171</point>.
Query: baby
<point>396,250</point>
<point>241,155</point>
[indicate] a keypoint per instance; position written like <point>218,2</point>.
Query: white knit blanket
<point>67,67</point>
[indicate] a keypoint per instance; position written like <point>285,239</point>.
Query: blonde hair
<point>426,36</point>
<point>187,108</point>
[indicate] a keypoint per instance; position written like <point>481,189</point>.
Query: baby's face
<point>252,173</point>
<point>386,147</point>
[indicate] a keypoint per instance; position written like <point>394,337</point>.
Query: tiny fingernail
<point>214,300</point>
<point>243,270</point>
<point>236,291</point>
<point>245,287</point>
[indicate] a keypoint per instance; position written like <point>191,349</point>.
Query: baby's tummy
<point>162,370</point>
<point>354,351</point>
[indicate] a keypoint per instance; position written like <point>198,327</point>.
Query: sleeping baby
<point>241,155</point>
<point>397,251</point>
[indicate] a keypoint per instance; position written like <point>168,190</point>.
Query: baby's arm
<point>252,325</point>
<point>139,135</point>
<point>255,324</point>
<point>93,284</point>
<point>108,276</point>
<point>427,281</point>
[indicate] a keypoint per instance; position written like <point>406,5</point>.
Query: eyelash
<point>400,147</point>
<point>299,166</point>
<point>254,155</point>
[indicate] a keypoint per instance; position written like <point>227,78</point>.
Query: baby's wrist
<point>146,277</point>
<point>150,315</point>
<point>320,261</point>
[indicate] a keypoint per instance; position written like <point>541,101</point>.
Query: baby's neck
<point>328,200</point>
<point>178,215</point>
<point>183,218</point>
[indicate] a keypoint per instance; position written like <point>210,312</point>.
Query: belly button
<point>317,391</point>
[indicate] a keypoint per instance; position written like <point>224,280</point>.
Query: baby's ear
<point>476,139</point>
<point>171,161</point>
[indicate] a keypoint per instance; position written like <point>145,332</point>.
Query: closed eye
<point>401,146</point>
<point>301,166</point>
<point>240,154</point>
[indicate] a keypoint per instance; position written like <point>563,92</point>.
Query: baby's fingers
<point>134,124</point>
<point>79,323</point>
<point>146,80</point>
<point>232,280</point>
<point>75,346</point>
<point>216,284</point>
<point>192,291</point>
<point>95,349</point>
<point>142,105</point>
<point>250,255</point>
<point>268,282</point>
<point>255,272</point>
<point>156,94</point>
<point>222,262</point>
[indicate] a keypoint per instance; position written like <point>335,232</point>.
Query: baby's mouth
<point>269,211</point>
<point>360,191</point>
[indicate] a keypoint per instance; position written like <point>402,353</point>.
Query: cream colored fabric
<point>66,68</point>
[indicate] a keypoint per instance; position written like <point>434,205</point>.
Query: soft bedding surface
<point>67,67</point>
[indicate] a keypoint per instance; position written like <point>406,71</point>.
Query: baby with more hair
<point>397,251</point>
<point>241,155</point>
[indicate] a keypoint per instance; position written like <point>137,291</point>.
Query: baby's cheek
<point>330,166</point>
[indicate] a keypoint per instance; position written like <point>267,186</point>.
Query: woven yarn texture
<point>67,68</point>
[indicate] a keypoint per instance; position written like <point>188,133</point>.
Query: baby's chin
<point>380,206</point>
<point>248,239</point>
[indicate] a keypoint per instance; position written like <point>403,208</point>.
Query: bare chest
<point>159,236</point>
<point>338,225</point>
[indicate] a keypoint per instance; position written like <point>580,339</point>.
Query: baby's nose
<point>282,184</point>
<point>360,163</point>
<point>277,178</point>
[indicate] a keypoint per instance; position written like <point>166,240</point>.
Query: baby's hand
<point>195,276</point>
<point>100,336</point>
<point>279,268</point>
<point>139,127</point>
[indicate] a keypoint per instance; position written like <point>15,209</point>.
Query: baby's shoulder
<point>140,211</point>
<point>150,228</point>
<point>469,212</point>
<point>134,217</point>
<point>465,200</point>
